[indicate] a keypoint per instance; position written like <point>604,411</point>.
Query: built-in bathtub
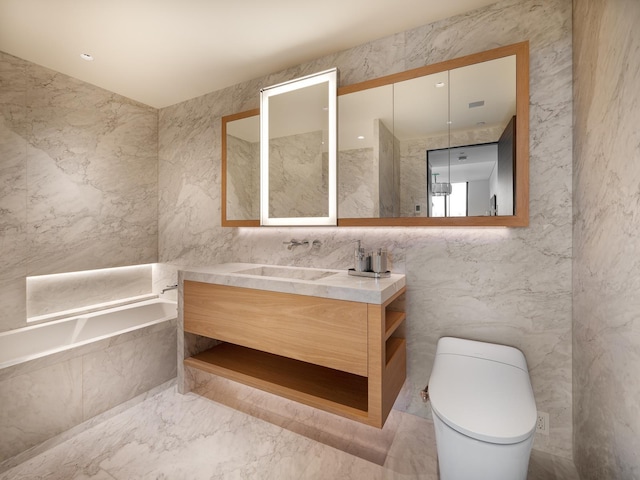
<point>59,374</point>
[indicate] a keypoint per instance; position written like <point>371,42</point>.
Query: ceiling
<point>162,52</point>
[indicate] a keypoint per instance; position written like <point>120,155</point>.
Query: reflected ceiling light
<point>86,56</point>
<point>440,189</point>
<point>440,84</point>
<point>360,137</point>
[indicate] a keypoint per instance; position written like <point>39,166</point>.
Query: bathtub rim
<point>53,351</point>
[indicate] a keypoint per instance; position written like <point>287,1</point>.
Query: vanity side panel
<point>327,332</point>
<point>375,334</point>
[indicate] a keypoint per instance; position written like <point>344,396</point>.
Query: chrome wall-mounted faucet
<point>169,287</point>
<point>295,243</point>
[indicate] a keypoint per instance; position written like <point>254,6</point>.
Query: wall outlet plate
<point>542,423</point>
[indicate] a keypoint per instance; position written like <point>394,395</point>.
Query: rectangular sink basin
<point>293,273</point>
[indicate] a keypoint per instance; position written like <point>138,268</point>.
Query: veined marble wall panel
<point>357,184</point>
<point>189,152</point>
<point>509,286</point>
<point>298,187</point>
<point>55,293</point>
<point>13,191</point>
<point>92,176</point>
<point>606,233</point>
<point>243,179</point>
<point>383,150</point>
<point>78,179</point>
<point>39,405</point>
<point>123,371</point>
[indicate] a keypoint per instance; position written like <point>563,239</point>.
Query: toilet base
<point>462,458</point>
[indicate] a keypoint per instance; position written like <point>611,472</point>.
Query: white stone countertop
<point>316,282</point>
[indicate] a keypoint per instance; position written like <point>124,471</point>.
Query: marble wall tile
<point>189,181</point>
<point>298,188</point>
<point>606,236</point>
<point>388,183</point>
<point>44,397</point>
<point>78,180</point>
<point>509,286</point>
<point>92,167</point>
<point>243,179</point>
<point>38,405</point>
<point>13,191</point>
<point>124,370</point>
<point>55,293</point>
<point>357,184</point>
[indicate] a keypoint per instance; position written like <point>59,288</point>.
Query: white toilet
<point>483,410</point>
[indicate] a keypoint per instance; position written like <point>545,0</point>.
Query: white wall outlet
<point>542,423</point>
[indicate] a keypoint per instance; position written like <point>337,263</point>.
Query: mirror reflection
<point>435,128</point>
<point>242,137</point>
<point>432,146</point>
<point>366,154</point>
<point>298,154</point>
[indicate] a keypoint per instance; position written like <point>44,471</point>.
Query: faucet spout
<point>295,243</point>
<point>169,287</point>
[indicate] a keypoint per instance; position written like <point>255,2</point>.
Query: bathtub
<point>24,344</point>
<point>58,375</point>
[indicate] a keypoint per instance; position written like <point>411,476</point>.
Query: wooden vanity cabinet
<point>341,356</point>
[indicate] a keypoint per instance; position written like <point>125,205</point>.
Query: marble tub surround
<point>78,180</point>
<point>45,396</point>
<point>336,284</point>
<point>46,339</point>
<point>606,238</point>
<point>190,437</point>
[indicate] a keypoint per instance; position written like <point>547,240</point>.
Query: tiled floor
<point>172,436</point>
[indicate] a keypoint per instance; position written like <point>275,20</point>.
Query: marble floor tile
<point>173,436</point>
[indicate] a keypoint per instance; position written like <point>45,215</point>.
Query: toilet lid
<point>483,399</point>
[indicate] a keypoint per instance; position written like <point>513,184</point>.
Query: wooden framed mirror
<point>386,178</point>
<point>241,169</point>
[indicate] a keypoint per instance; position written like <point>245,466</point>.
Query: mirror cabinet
<point>441,145</point>
<point>298,162</point>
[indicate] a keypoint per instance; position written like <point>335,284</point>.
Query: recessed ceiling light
<point>360,137</point>
<point>440,84</point>
<point>86,56</point>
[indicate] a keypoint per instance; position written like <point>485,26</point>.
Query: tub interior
<point>35,341</point>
